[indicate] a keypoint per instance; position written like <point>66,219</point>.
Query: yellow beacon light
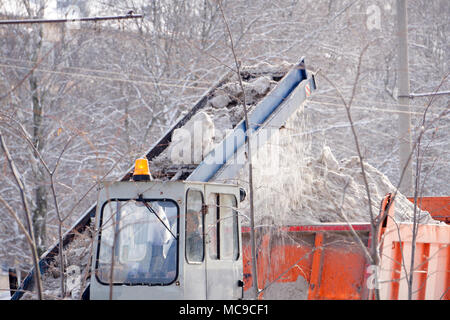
<point>141,170</point>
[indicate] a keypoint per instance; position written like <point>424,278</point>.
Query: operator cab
<point>167,240</point>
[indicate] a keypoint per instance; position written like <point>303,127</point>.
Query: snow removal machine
<point>174,232</point>
<point>152,240</point>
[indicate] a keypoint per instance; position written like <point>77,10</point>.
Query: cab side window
<point>223,232</point>
<point>194,227</point>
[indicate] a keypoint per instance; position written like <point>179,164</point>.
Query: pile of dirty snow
<point>295,188</point>
<point>333,189</point>
<point>77,264</point>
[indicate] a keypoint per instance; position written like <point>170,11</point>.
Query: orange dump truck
<point>333,263</point>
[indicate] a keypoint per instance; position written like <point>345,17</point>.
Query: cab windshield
<point>138,242</point>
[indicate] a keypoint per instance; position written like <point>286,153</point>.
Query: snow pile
<point>264,68</point>
<point>287,290</point>
<point>4,286</point>
<point>77,264</point>
<point>231,93</point>
<point>192,142</point>
<point>296,189</point>
<point>334,189</point>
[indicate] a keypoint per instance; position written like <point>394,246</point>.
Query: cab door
<point>194,244</point>
<point>223,255</point>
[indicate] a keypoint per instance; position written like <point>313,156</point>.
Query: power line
<point>93,19</point>
<point>429,94</point>
<point>375,102</point>
<point>116,72</point>
<point>370,108</point>
<point>71,74</point>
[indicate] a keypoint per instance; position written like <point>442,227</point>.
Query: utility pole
<point>404,117</point>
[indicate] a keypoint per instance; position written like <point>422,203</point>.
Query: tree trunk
<point>40,219</point>
<point>40,193</point>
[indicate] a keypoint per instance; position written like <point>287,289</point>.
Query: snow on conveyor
<point>223,111</point>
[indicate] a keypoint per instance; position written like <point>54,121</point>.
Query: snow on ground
<point>4,295</point>
<point>77,261</point>
<point>4,286</point>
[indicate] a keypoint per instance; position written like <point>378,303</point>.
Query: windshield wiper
<point>154,212</point>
